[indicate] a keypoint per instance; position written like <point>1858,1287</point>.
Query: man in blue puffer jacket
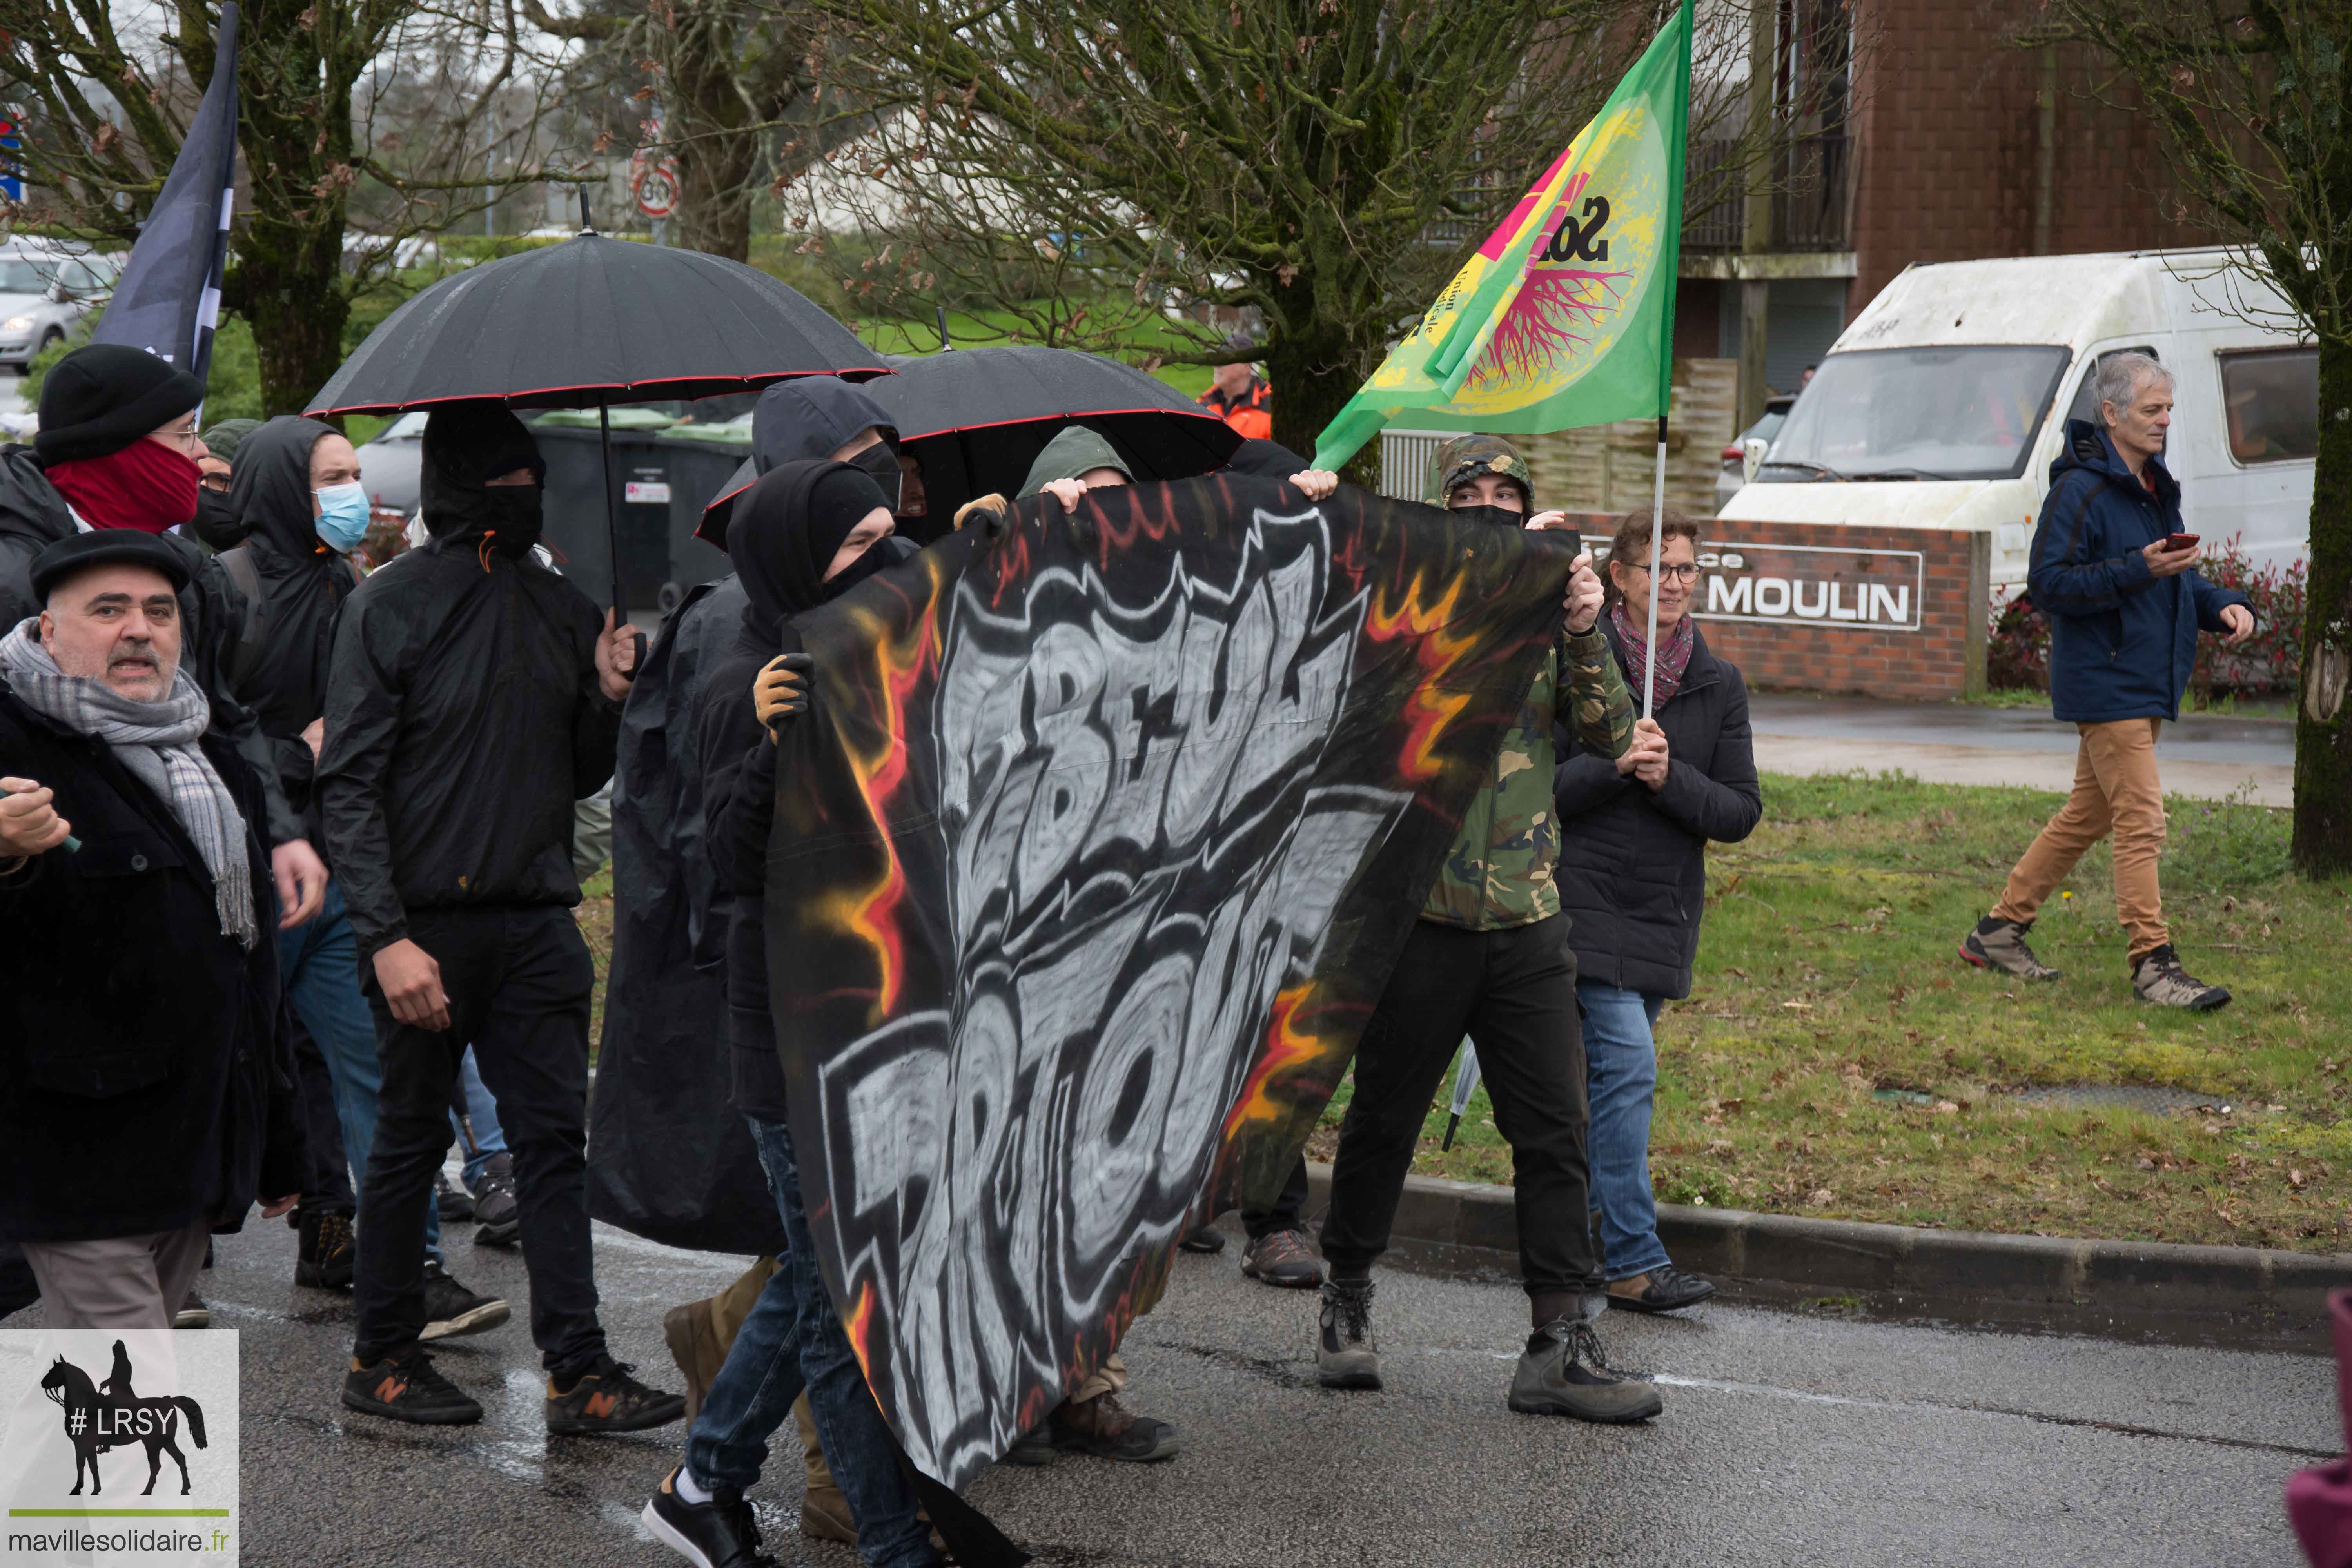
<point>2125,608</point>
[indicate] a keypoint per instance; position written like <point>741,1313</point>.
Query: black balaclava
<point>1267,459</point>
<point>465,446</point>
<point>1498,516</point>
<point>269,488</point>
<point>784,532</point>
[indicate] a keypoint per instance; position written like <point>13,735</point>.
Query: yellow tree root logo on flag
<point>1560,319</point>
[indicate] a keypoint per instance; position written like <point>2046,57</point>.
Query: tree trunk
<point>289,287</point>
<point>1314,364</point>
<point>717,159</point>
<point>2323,730</point>
<point>713,213</point>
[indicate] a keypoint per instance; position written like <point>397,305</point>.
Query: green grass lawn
<point>1836,1058</point>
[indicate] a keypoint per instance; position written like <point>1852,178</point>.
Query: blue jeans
<point>320,962</point>
<point>792,1339</point>
<point>482,1110</point>
<point>1620,1064</point>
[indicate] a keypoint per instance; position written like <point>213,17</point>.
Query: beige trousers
<point>2115,791</point>
<point>122,1282</point>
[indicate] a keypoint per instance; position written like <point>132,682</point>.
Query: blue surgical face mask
<point>342,516</point>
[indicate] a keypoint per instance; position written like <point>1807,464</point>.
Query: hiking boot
<point>453,1203</point>
<point>606,1398</point>
<point>2158,978</point>
<point>825,1516</point>
<point>720,1533</point>
<point>192,1313</point>
<point>2000,945</point>
<point>403,1386</point>
<point>1108,1429</point>
<point>1283,1257</point>
<point>1563,1373</point>
<point>1665,1289</point>
<point>1207,1238</point>
<point>496,1211</point>
<point>322,1257</point>
<point>1344,1354</point>
<point>451,1310</point>
<point>693,1341</point>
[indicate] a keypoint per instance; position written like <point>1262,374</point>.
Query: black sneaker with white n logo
<point>720,1533</point>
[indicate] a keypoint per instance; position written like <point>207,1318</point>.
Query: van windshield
<point>1918,414</point>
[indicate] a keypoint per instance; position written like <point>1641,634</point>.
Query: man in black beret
<point>117,450</point>
<point>151,1056</point>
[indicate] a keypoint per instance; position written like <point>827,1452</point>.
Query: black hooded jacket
<point>33,516</point>
<point>464,716</point>
<point>808,418</point>
<point>784,534</point>
<point>303,584</point>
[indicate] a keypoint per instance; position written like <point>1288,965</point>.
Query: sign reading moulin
<point>119,1445</point>
<point>1884,590</point>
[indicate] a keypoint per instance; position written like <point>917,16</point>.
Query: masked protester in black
<point>711,1195</point>
<point>787,537</point>
<point>294,587</point>
<point>472,701</point>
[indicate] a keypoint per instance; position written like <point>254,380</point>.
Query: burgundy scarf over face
<point>1673,653</point>
<point>147,486</point>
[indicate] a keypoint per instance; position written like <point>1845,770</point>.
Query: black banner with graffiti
<point>1091,859</point>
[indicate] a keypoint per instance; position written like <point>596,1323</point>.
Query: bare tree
<point>109,90</point>
<point>736,83</point>
<point>1316,167</point>
<point>2252,96</point>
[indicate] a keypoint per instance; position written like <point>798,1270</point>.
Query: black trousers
<point>1290,1210</point>
<point>1513,991</point>
<point>329,1189</point>
<point>518,977</point>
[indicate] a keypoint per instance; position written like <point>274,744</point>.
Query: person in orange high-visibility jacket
<point>1240,396</point>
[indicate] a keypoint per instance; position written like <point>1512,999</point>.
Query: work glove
<point>780,691</point>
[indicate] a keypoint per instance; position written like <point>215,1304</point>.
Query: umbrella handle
<point>612,524</point>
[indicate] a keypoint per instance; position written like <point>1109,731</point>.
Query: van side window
<point>2081,407</point>
<point>2272,398</point>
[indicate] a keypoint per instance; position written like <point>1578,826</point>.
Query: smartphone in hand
<point>2180,541</point>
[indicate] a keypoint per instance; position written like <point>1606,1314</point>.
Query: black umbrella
<point>977,418</point>
<point>588,324</point>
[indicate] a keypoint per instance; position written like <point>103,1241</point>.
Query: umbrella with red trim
<point>977,418</point>
<point>588,324</point>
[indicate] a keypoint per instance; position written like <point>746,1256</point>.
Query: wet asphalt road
<point>1786,1439</point>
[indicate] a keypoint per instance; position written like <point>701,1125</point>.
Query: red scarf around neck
<point>147,486</point>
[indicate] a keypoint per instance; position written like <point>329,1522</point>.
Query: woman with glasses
<point>1632,879</point>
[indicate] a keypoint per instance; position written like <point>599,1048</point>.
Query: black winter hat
<point>106,547</point>
<point>103,396</point>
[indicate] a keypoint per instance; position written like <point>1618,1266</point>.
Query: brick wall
<point>1946,128</point>
<point>1942,659</point>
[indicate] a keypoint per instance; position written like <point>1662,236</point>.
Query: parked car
<point>1944,403</point>
<point>43,293</point>
<point>390,463</point>
<point>1739,462</point>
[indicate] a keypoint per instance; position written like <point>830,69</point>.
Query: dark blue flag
<point>168,299</point>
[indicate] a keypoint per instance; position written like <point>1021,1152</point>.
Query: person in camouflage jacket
<point>1489,956</point>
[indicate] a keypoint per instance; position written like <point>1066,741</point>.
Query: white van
<point>1944,403</point>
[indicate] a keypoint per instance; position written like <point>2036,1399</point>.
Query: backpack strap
<point>238,564</point>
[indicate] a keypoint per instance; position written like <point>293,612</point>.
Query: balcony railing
<point>1810,194</point>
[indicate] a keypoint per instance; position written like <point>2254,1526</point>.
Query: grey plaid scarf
<point>157,742</point>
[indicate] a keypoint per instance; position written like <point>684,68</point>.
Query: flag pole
<point>1657,523</point>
